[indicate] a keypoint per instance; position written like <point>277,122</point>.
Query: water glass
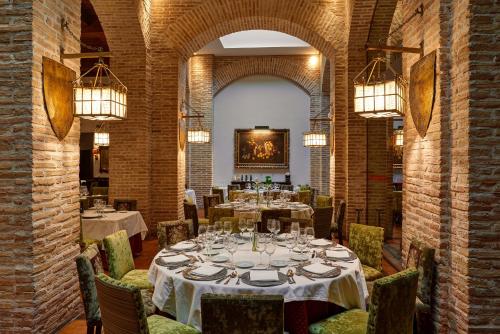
<point>250,225</point>
<point>271,225</point>
<point>295,229</point>
<point>291,242</point>
<point>309,231</point>
<point>242,224</point>
<point>261,245</point>
<point>270,248</point>
<point>302,243</point>
<point>277,227</point>
<point>231,245</point>
<point>228,227</point>
<point>218,228</point>
<point>202,229</point>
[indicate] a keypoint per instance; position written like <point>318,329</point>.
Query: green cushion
<point>367,242</point>
<point>371,274</point>
<point>350,322</point>
<point>137,278</point>
<point>147,301</point>
<point>323,201</point>
<point>88,264</point>
<point>119,254</point>
<point>161,325</point>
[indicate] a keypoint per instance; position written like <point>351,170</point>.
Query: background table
<point>181,297</point>
<point>253,211</point>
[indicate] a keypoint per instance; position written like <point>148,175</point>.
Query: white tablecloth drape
<point>254,211</point>
<point>181,297</point>
<point>99,228</point>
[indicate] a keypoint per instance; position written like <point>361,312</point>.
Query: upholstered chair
<point>322,222</point>
<point>286,223</point>
<point>305,196</point>
<point>125,204</point>
<point>233,187</point>
<point>191,215</point>
<point>422,257</point>
<point>210,201</point>
<point>234,223</point>
<point>391,309</point>
<point>238,313</point>
<point>233,195</point>
<point>121,262</point>
<point>215,214</point>
<point>339,222</point>
<point>323,201</point>
<point>368,242</point>
<point>172,232</point>
<point>102,191</point>
<point>273,214</point>
<point>122,311</point>
<point>220,192</point>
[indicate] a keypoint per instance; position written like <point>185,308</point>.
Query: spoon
<point>231,276</point>
<point>289,273</point>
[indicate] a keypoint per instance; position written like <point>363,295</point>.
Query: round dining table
<point>180,296</point>
<point>251,210</point>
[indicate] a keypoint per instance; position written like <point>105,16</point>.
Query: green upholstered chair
<point>422,257</point>
<point>234,222</point>
<point>391,309</point>
<point>171,232</point>
<point>220,192</point>
<point>323,201</point>
<point>305,196</point>
<point>191,215</point>
<point>88,264</point>
<point>210,201</point>
<point>368,242</point>
<point>261,314</point>
<point>215,214</point>
<point>322,221</point>
<point>122,311</point>
<point>121,262</point>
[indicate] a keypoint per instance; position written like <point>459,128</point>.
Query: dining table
<point>252,210</point>
<point>178,289</point>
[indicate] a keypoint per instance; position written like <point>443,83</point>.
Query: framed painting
<point>261,148</point>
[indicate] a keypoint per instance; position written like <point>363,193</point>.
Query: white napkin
<point>264,275</point>
<point>317,268</point>
<point>320,242</point>
<point>337,253</point>
<point>207,270</point>
<point>183,245</point>
<point>174,259</point>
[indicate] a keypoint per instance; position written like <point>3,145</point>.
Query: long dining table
<point>176,293</point>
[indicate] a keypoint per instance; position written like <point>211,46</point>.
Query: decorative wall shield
<point>182,132</point>
<point>58,96</point>
<point>423,91</point>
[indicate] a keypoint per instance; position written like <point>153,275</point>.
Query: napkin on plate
<point>337,253</point>
<point>320,242</point>
<point>183,245</point>
<point>174,259</point>
<point>264,275</point>
<point>207,270</point>
<point>317,268</point>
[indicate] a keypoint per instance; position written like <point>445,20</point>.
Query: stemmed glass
<point>302,242</point>
<point>295,229</point>
<point>291,242</point>
<point>210,237</point>
<point>242,224</point>
<point>228,227</point>
<point>231,245</point>
<point>270,248</point>
<point>218,228</point>
<point>202,230</point>
<point>271,225</point>
<point>277,227</point>
<point>309,231</point>
<point>261,245</point>
<point>250,225</point>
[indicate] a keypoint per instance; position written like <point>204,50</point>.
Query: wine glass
<point>277,227</point>
<point>270,248</point>
<point>231,245</point>
<point>271,225</point>
<point>261,245</point>
<point>218,228</point>
<point>295,229</point>
<point>309,231</point>
<point>242,224</point>
<point>209,239</point>
<point>291,242</point>
<point>302,243</point>
<point>202,230</point>
<point>250,225</point>
<point>228,227</point>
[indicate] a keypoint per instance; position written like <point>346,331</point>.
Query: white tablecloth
<point>99,228</point>
<point>191,195</point>
<point>181,297</point>
<point>253,211</point>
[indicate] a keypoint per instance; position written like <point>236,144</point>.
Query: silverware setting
<point>301,273</point>
<point>221,279</point>
<point>201,259</point>
<point>231,276</point>
<point>290,274</point>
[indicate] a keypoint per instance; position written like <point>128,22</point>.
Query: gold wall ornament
<point>423,92</point>
<point>58,95</point>
<point>182,131</point>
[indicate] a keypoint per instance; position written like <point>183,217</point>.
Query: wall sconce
<point>199,134</point>
<point>398,138</point>
<point>315,137</point>
<point>101,139</point>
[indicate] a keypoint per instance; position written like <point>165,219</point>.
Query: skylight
<point>261,39</point>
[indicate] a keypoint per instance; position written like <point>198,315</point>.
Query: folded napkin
<point>337,253</point>
<point>264,275</point>
<point>320,242</point>
<point>317,268</point>
<point>183,245</point>
<point>174,259</point>
<point>207,270</point>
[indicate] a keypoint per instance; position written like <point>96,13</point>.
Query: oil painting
<point>255,148</point>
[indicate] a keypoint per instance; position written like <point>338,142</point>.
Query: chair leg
<point>90,329</point>
<point>98,327</point>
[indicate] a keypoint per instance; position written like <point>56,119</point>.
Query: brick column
<point>199,164</point>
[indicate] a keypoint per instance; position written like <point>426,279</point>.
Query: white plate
<point>87,215</point>
<point>220,258</point>
<point>299,257</point>
<point>279,263</point>
<point>212,252</point>
<point>108,210</point>
<point>217,246</point>
<point>183,245</point>
<point>244,264</point>
<point>321,242</point>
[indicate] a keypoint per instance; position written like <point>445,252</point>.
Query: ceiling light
<point>261,39</point>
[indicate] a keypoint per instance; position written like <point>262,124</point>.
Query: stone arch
<point>216,18</point>
<point>277,66</point>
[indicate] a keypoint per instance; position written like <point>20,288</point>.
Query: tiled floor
<point>150,247</point>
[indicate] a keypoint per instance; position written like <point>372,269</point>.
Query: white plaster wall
<point>260,100</point>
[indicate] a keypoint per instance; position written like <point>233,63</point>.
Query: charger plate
<point>351,257</point>
<point>245,278</point>
<point>329,274</point>
<point>190,276</point>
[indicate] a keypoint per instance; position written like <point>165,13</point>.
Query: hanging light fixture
<point>100,97</point>
<point>398,137</point>
<point>378,97</point>
<point>101,139</point>
<point>199,134</point>
<point>316,137</point>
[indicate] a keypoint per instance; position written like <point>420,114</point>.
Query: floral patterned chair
<point>422,258</point>
<point>220,192</point>
<point>323,201</point>
<point>121,262</point>
<point>172,232</point>
<point>391,309</point>
<point>305,196</point>
<point>215,214</point>
<point>123,311</point>
<point>88,265</point>
<point>261,314</point>
<point>210,201</point>
<point>368,242</point>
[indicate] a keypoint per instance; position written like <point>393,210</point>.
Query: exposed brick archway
<point>277,66</point>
